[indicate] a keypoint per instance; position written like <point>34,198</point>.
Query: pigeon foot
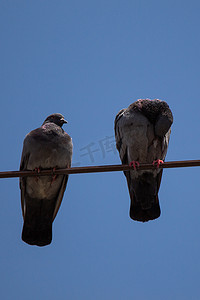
<point>157,163</point>
<point>135,164</point>
<point>37,170</point>
<point>53,175</point>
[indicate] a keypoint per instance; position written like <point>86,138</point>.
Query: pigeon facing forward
<point>47,147</point>
<point>142,134</point>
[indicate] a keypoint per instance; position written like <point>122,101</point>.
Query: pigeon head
<point>57,119</point>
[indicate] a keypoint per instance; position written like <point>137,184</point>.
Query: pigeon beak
<point>63,121</point>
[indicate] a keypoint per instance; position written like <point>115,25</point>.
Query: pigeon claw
<point>135,164</point>
<point>157,163</point>
<point>37,171</point>
<point>53,175</point>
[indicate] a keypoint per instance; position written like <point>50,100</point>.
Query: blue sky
<point>87,60</point>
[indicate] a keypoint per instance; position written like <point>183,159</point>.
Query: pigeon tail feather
<point>36,236</point>
<point>137,213</point>
<point>144,197</point>
<point>37,228</point>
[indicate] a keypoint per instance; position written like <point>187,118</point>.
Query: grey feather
<point>142,134</point>
<point>46,147</point>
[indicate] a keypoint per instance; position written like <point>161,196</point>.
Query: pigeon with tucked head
<point>142,134</point>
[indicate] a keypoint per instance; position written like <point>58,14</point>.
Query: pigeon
<point>142,133</point>
<point>47,147</point>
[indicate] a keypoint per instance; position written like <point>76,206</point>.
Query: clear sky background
<point>87,60</point>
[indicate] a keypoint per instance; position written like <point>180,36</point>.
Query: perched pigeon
<point>47,147</point>
<point>142,134</point>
